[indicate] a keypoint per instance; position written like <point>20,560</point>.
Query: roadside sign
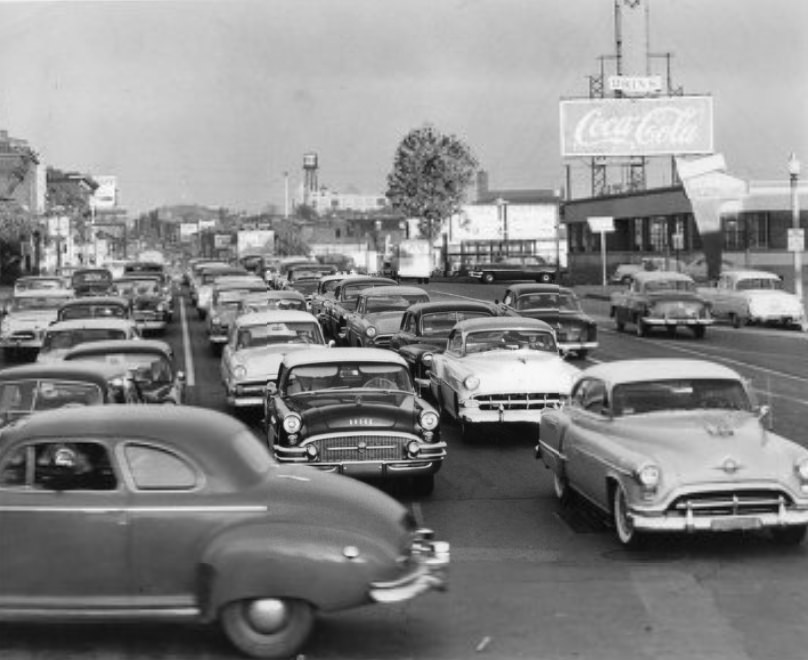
<point>678,240</point>
<point>796,240</point>
<point>600,223</point>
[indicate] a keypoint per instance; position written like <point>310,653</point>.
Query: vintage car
<point>306,277</point>
<point>530,267</point>
<point>378,314</point>
<point>208,276</point>
<point>92,307</point>
<point>674,445</point>
<point>346,293</point>
<point>425,328</point>
<point>257,344</point>
<point>170,514</point>
<point>32,388</point>
<point>697,268</point>
<point>753,296</point>
<point>499,370</point>
<point>272,299</point>
<point>354,411</point>
<point>661,299</point>
<point>284,264</point>
<point>623,273</point>
<point>325,291</point>
<point>224,303</point>
<point>26,317</point>
<point>149,362</point>
<point>152,307</point>
<point>91,282</point>
<point>196,272</point>
<point>576,332</point>
<point>39,284</point>
<point>64,335</point>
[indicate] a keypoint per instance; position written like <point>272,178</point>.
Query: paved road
<point>531,579</point>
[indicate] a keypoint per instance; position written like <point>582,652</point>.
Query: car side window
<point>455,344</point>
<point>157,469</point>
<point>508,299</point>
<point>59,465</point>
<point>590,395</point>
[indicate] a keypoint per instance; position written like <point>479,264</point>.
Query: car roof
<point>64,292</point>
<point>744,273</point>
<point>118,346</point>
<point>77,324</point>
<point>539,288</point>
<point>452,306</point>
<point>275,316</point>
<point>66,370</point>
<point>648,369</point>
<point>393,291</point>
<point>274,294</point>
<point>96,300</point>
<point>498,322</point>
<point>344,354</point>
<point>649,275</point>
<point>201,432</point>
<point>370,280</point>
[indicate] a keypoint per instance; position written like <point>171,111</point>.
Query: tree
<point>15,223</point>
<point>430,176</point>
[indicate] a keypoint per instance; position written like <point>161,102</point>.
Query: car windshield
<point>757,283</point>
<point>267,334</point>
<point>21,397</point>
<point>562,301</point>
<point>510,339</point>
<point>64,339</point>
<point>144,287</point>
<point>679,394</point>
<point>23,304</point>
<point>670,285</point>
<point>440,324</point>
<point>328,286</point>
<point>92,277</point>
<point>92,311</point>
<point>275,303</point>
<point>393,303</point>
<point>151,369</point>
<point>348,376</point>
<point>35,284</point>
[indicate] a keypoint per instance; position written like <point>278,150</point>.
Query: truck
<point>411,259</point>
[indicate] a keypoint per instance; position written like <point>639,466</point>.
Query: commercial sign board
<point>636,84</point>
<point>796,239</point>
<point>600,223</point>
<point>221,241</point>
<point>654,126</point>
<point>106,195</point>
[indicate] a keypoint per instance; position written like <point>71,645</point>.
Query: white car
<point>62,336</point>
<point>500,370</point>
<point>256,346</point>
<point>754,296</point>
<point>27,316</point>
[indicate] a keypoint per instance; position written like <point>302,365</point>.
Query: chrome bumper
<point>475,416</point>
<point>721,523</point>
<point>430,571</point>
<point>672,321</point>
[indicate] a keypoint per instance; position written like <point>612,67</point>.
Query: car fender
<point>290,560</point>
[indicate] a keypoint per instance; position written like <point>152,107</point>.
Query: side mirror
<point>764,414</point>
<point>331,343</point>
<point>272,388</point>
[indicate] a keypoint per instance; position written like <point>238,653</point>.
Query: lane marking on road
<point>190,378</point>
<point>685,621</point>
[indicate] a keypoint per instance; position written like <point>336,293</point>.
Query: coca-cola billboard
<point>669,125</point>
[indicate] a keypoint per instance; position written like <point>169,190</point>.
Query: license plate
<point>732,524</point>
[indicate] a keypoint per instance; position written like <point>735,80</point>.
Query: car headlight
<point>801,468</point>
<point>239,371</point>
<point>370,331</point>
<point>426,359</point>
<point>649,476</point>
<point>215,320</point>
<point>413,448</point>
<point>429,420</point>
<point>471,382</point>
<point>292,423</point>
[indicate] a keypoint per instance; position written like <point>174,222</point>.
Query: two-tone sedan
<point>672,445</point>
<point>346,293</point>
<point>500,370</point>
<point>425,329</point>
<point>160,513</point>
<point>149,362</point>
<point>378,314</point>
<point>661,299</point>
<point>26,318</point>
<point>150,308</point>
<point>224,306</point>
<point>95,307</point>
<point>258,342</point>
<point>354,411</point>
<point>62,336</point>
<point>576,332</point>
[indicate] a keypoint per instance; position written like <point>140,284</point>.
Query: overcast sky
<point>211,102</point>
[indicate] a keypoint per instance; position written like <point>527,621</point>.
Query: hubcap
<point>268,615</point>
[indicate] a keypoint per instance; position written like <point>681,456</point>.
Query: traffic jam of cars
<point>339,398</point>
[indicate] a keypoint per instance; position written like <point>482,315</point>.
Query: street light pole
<point>794,177</point>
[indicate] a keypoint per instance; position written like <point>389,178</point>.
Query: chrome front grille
<point>519,401</point>
<point>362,447</point>
<point>23,335</point>
<point>252,389</point>
<point>731,503</point>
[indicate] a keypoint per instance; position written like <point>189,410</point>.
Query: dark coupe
<point>159,513</point>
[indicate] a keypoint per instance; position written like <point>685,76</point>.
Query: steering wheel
<point>381,383</point>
